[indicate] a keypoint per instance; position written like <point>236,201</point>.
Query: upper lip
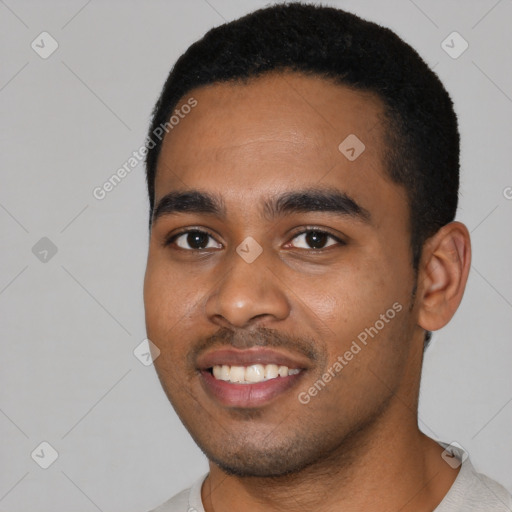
<point>246,357</point>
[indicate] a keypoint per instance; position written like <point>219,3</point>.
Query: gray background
<point>70,324</point>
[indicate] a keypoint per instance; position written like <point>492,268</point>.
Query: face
<point>279,278</point>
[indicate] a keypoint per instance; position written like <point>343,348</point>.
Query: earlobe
<point>443,272</point>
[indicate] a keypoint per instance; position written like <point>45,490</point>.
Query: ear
<point>443,272</point>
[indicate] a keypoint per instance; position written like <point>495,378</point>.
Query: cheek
<point>155,295</point>
<point>172,300</point>
<point>165,312</point>
<point>364,303</point>
<point>365,363</point>
<point>349,298</point>
<point>164,300</point>
<point>165,283</point>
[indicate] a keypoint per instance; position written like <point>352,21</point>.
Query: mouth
<point>251,374</point>
<point>249,378</point>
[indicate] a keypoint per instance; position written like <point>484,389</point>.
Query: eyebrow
<point>325,199</point>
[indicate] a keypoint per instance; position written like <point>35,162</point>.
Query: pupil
<point>316,240</point>
<point>197,240</point>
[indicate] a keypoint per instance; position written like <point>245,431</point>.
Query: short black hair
<point>421,133</point>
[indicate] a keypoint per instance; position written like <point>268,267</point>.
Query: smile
<point>249,378</point>
<point>251,374</point>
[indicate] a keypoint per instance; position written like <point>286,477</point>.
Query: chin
<point>272,462</point>
<point>241,468</point>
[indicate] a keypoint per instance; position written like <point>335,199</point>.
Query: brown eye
<point>194,240</point>
<point>315,239</point>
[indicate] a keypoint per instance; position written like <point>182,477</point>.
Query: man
<point>302,250</point>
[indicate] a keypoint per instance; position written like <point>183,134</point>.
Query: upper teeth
<point>253,373</point>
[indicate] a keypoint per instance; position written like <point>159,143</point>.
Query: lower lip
<point>247,395</point>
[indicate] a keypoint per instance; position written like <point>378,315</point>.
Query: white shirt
<point>470,492</point>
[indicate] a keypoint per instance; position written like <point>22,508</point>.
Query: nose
<point>247,293</point>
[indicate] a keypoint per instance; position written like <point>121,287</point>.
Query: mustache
<point>261,337</point>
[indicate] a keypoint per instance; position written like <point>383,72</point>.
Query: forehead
<point>277,132</point>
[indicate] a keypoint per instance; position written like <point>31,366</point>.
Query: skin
<point>350,447</point>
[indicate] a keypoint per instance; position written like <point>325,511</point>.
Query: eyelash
<point>170,240</point>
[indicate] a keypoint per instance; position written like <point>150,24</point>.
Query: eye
<point>194,239</point>
<point>316,239</point>
<point>197,239</point>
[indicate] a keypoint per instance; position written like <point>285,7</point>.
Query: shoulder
<point>178,503</point>
<point>474,491</point>
<point>484,491</point>
<point>188,500</point>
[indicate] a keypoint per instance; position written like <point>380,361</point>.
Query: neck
<point>389,463</point>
